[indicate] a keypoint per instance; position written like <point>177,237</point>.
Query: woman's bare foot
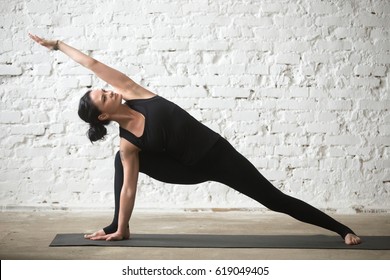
<point>352,239</point>
<point>95,234</point>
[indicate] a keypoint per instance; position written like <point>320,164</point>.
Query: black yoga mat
<point>227,241</point>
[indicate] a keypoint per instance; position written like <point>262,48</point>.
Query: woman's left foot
<point>352,239</point>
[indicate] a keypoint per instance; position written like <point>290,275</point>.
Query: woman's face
<point>106,101</point>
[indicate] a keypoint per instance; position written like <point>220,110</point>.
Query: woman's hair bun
<point>89,113</point>
<point>96,132</point>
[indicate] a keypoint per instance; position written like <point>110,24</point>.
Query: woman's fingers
<point>35,37</point>
<point>97,233</point>
<point>42,42</point>
<point>101,235</point>
<point>89,236</point>
<point>108,237</point>
<point>104,237</point>
<point>32,37</point>
<point>96,236</point>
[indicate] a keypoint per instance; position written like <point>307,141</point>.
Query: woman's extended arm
<point>115,78</point>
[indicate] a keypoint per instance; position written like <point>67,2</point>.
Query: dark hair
<point>89,113</point>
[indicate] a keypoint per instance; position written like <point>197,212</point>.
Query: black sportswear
<point>171,130</point>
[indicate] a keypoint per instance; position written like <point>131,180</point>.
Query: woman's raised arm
<point>112,76</point>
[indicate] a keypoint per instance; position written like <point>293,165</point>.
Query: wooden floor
<point>27,235</point>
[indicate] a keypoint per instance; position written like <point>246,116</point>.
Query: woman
<point>160,139</point>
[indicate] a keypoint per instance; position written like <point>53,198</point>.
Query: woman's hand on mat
<point>352,239</point>
<point>101,235</point>
<point>95,234</point>
<point>111,237</point>
<point>50,44</point>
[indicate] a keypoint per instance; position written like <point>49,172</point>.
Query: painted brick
<point>41,7</point>
<point>374,105</point>
<point>320,7</point>
<point>330,128</point>
<point>10,117</point>
<point>169,45</point>
<point>245,116</point>
<point>231,92</point>
<point>370,20</point>
<point>257,69</point>
<point>42,70</point>
<point>285,128</point>
<point>288,150</point>
<point>342,140</point>
<point>31,129</point>
<point>299,91</point>
<point>213,103</point>
<point>209,46</point>
<point>10,70</point>
<point>287,58</point>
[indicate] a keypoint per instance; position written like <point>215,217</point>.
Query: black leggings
<point>225,165</point>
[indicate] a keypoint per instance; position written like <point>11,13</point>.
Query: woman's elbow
<point>129,192</point>
<point>91,63</point>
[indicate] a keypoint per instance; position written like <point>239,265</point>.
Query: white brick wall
<point>300,88</point>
